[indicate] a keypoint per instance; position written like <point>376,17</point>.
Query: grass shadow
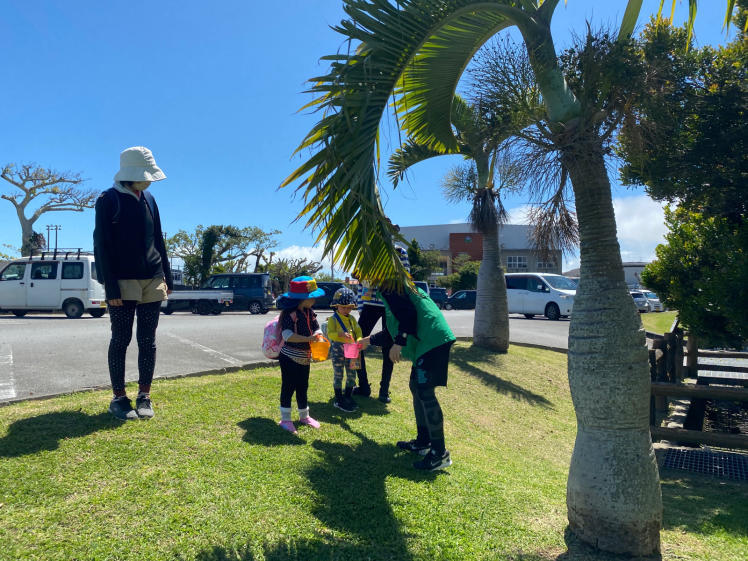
<point>266,432</point>
<point>703,505</point>
<point>469,359</point>
<point>44,432</point>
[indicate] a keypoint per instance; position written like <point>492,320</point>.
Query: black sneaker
<point>121,407</point>
<point>362,391</point>
<point>384,398</point>
<point>433,461</point>
<point>144,407</point>
<point>414,446</point>
<point>345,405</point>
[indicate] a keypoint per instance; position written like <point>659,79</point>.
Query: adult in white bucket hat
<point>132,264</point>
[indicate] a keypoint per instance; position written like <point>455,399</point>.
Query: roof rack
<point>63,253</point>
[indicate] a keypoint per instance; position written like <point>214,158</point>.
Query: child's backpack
<point>272,339</point>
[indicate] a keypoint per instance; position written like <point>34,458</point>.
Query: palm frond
<point>410,154</point>
<point>629,19</point>
<point>461,183</point>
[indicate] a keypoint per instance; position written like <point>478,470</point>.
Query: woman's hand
<point>116,302</point>
<point>395,353</point>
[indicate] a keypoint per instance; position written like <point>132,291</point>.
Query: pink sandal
<point>310,422</point>
<point>288,425</point>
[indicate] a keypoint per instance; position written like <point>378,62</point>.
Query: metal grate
<point>725,465</point>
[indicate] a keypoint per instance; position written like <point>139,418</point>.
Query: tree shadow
<point>469,358</point>
<point>266,432</point>
<point>300,550</point>
<point>704,505</point>
<point>44,432</point>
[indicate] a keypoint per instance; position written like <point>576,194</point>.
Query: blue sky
<point>214,90</point>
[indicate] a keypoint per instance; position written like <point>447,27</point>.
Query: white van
<point>544,294</point>
<point>52,281</point>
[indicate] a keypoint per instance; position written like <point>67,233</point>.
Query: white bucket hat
<point>138,164</point>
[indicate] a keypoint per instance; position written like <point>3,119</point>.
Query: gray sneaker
<point>143,406</point>
<point>121,407</point>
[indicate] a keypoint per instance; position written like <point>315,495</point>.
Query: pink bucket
<point>351,350</point>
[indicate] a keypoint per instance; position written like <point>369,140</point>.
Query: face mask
<point>141,185</point>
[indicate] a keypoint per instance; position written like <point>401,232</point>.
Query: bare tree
<point>58,192</point>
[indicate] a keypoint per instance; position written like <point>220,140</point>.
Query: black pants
<point>430,370</point>
<point>367,319</point>
<point>294,378</point>
<point>122,319</point>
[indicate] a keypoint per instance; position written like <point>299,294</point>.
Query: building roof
<point>511,236</point>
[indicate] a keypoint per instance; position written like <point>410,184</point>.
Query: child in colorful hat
<point>299,326</point>
<point>343,328</point>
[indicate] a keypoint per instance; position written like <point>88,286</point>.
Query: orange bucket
<point>320,349</point>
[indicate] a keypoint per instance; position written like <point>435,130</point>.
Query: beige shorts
<point>143,291</point>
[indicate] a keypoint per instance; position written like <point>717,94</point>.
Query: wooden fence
<point>668,372</point>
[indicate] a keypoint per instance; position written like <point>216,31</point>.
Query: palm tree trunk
<point>491,320</point>
<point>613,492</point>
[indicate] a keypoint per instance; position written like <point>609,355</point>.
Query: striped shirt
<point>305,324</point>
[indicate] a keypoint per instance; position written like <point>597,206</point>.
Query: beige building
<point>452,240</point>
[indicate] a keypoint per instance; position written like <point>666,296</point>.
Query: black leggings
<point>294,378</point>
<point>367,319</point>
<point>428,414</point>
<point>122,319</point>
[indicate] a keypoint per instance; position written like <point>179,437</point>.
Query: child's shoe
<point>309,421</point>
<point>289,426</point>
<point>433,461</point>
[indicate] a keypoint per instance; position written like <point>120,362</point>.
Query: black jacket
<point>128,242</point>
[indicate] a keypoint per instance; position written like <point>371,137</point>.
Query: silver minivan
<point>533,294</point>
<point>52,281</point>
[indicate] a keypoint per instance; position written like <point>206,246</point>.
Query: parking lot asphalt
<point>48,354</point>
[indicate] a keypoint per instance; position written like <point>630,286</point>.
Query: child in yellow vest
<point>343,328</point>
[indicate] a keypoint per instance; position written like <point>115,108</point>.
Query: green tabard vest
<point>432,328</point>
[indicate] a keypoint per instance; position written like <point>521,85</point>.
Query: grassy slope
<point>659,322</point>
<point>212,477</point>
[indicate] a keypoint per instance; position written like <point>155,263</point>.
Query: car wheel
<point>529,316</point>
<point>18,313</point>
<point>73,308</point>
<point>447,306</point>
<point>97,312</point>
<point>204,307</point>
<point>255,308</point>
<point>552,312</point>
<point>167,310</point>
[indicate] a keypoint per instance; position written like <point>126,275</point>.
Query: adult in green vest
<point>420,334</point>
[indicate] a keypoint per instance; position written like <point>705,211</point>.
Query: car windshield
<point>651,295</point>
<point>636,295</point>
<point>561,283</point>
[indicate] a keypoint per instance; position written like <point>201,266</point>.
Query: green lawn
<point>659,322</point>
<point>213,478</point>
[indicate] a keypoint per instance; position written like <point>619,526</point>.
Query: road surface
<point>47,354</point>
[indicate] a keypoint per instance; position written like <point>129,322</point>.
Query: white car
<point>654,301</point>
<point>534,294</point>
<point>640,299</point>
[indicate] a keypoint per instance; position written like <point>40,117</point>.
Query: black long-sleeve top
<point>128,241</point>
<point>405,313</point>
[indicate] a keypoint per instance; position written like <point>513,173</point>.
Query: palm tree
<point>479,142</point>
<point>415,52</point>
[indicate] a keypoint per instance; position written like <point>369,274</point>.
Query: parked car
<point>52,281</point>
<point>251,290</point>
<point>654,301</point>
<point>329,288</point>
<point>438,295</point>
<point>423,285</point>
<point>640,299</point>
<point>545,294</point>
<point>201,302</point>
<point>461,300</point>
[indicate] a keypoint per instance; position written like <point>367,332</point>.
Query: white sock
<point>285,413</point>
<point>303,413</point>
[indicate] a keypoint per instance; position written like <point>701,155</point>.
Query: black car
<point>438,295</point>
<point>461,300</point>
<point>329,288</point>
<point>251,290</point>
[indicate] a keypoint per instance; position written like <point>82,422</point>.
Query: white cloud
<point>519,215</point>
<point>312,253</point>
<point>641,227</point>
<point>458,221</point>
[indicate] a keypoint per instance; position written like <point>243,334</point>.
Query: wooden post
<point>669,350</point>
<point>692,360</point>
<point>678,373</point>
